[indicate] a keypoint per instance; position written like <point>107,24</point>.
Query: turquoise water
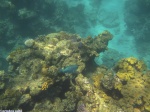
<point>122,19</point>
<point>128,21</point>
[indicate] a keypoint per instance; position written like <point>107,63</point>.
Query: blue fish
<point>69,69</point>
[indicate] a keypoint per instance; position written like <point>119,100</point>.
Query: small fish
<point>69,69</point>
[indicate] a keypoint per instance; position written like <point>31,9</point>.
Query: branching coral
<point>136,90</point>
<point>44,86</point>
<point>131,81</point>
<point>126,68</point>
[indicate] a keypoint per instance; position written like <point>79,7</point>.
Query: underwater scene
<point>74,55</point>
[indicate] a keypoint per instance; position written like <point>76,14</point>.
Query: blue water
<point>127,20</point>
<point>121,18</point>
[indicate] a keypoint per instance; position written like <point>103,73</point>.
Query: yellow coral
<point>128,67</point>
<point>44,86</point>
<point>130,64</point>
<point>133,83</point>
<point>147,107</point>
<point>121,75</point>
<point>140,66</point>
<point>96,80</point>
<point>131,60</point>
<point>125,75</point>
<point>118,86</point>
<point>125,65</point>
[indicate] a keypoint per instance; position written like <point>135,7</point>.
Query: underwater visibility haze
<point>75,55</point>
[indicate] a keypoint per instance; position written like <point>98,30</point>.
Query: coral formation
<point>47,63</point>
<point>57,72</point>
<point>59,49</point>
<point>27,19</point>
<point>94,99</point>
<point>131,82</point>
<point>44,86</point>
<point>126,68</point>
<point>2,80</point>
<point>29,42</point>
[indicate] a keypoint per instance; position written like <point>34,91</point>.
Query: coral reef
<point>57,72</point>
<point>2,80</point>
<point>126,69</point>
<point>93,99</point>
<point>130,82</point>
<point>28,19</point>
<point>62,51</point>
<point>47,64</point>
